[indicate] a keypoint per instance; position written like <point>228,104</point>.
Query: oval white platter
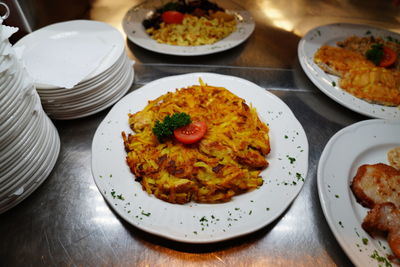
<point>329,84</point>
<point>193,222</point>
<point>365,142</point>
<point>132,25</point>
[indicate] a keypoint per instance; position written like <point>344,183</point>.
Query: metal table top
<point>66,221</point>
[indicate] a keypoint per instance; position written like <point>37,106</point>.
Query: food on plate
<point>338,61</point>
<point>375,85</point>
<point>381,52</point>
<point>190,23</point>
<point>368,68</point>
<point>394,157</point>
<point>375,184</point>
<point>385,217</point>
<point>225,161</point>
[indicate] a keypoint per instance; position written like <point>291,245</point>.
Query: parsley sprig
<point>375,54</point>
<point>166,128</point>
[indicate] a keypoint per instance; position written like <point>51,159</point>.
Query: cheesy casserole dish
<point>227,161</point>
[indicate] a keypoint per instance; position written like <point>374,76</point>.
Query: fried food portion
<point>375,184</point>
<point>227,161</point>
<point>194,30</point>
<point>373,84</point>
<point>362,44</point>
<point>338,61</point>
<point>394,157</point>
<point>385,217</point>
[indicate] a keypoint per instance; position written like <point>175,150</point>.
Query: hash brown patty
<point>227,161</point>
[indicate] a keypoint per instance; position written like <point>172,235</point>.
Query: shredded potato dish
<point>193,31</point>
<point>227,161</point>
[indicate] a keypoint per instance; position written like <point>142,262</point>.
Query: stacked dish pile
<point>79,67</point>
<point>29,142</point>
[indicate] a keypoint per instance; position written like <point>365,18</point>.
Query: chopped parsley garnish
<point>375,54</point>
<point>379,258</point>
<point>333,84</point>
<point>166,128</point>
<point>146,214</point>
<point>291,159</point>
<point>203,219</point>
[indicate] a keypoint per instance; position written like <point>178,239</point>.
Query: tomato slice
<point>172,17</point>
<point>191,133</point>
<point>389,57</point>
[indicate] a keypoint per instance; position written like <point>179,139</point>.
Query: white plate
<point>365,142</point>
<point>132,25</point>
<point>42,172</point>
<point>70,52</point>
<point>192,222</point>
<point>122,89</point>
<point>329,35</point>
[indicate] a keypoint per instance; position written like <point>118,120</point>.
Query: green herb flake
<point>382,259</point>
<point>203,219</point>
<point>286,137</point>
<point>333,84</point>
<point>120,197</point>
<point>291,159</point>
<point>146,213</point>
<point>113,193</point>
<point>365,241</point>
<point>337,196</point>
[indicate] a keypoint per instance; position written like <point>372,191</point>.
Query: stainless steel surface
<point>66,222</point>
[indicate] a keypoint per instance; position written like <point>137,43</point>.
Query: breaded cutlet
<point>375,184</point>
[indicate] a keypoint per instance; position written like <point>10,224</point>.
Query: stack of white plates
<point>79,67</point>
<point>29,142</point>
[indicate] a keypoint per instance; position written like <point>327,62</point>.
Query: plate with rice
<point>200,31</point>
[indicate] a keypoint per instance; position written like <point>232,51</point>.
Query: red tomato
<point>191,133</point>
<point>172,17</point>
<point>389,57</point>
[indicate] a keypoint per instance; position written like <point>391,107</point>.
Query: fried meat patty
<point>385,217</point>
<point>375,184</point>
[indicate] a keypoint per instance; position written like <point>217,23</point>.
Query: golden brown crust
<point>227,161</point>
<point>394,157</point>
<point>376,183</point>
<point>385,218</point>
